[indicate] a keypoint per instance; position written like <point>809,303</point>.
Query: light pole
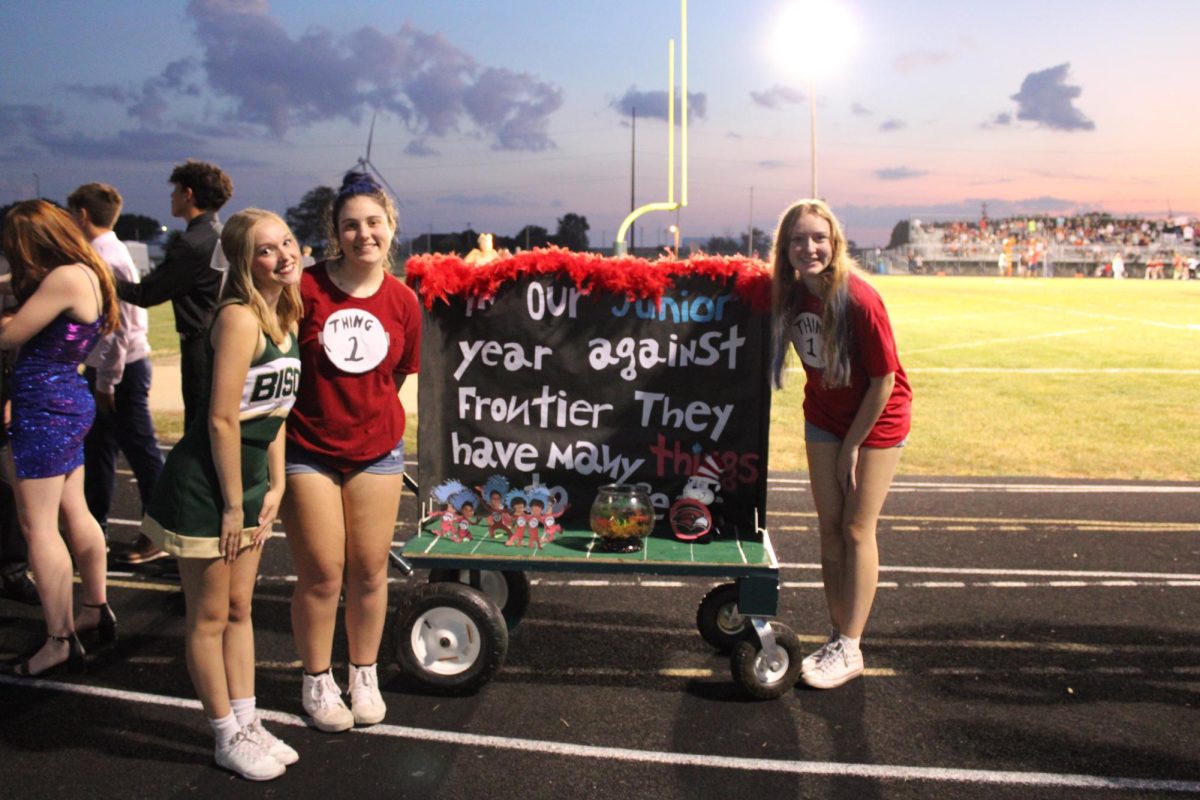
<point>811,40</point>
<point>674,229</point>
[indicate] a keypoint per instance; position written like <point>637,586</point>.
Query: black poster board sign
<point>579,390</point>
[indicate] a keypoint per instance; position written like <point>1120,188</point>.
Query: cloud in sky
<point>889,125</point>
<point>899,174</point>
<point>263,78</point>
<point>859,110</point>
<point>1047,99</point>
<point>654,104</point>
<point>26,117</point>
<point>778,96</point>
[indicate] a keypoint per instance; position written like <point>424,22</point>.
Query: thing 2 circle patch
<point>354,340</point>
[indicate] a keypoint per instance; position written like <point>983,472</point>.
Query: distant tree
<point>572,232</point>
<point>761,243</point>
<point>531,236</point>
<point>900,236</point>
<point>722,246</point>
<point>307,220</point>
<point>137,228</point>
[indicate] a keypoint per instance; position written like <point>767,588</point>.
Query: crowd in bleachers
<point>1154,248</point>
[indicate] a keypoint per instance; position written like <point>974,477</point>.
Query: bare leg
<point>849,552</point>
<point>206,583</point>
<point>371,502</point>
<point>239,633</point>
<point>37,510</point>
<point>86,541</point>
<point>829,500</point>
<point>316,534</point>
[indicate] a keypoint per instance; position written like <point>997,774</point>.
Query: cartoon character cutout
<point>540,506</point>
<point>549,508</point>
<point>463,502</point>
<point>454,498</point>
<point>499,518</point>
<point>690,515</point>
<point>517,504</point>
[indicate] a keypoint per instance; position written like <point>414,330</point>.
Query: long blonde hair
<point>40,237</point>
<point>835,302</point>
<point>237,243</point>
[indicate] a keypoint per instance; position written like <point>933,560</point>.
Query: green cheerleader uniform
<point>184,517</point>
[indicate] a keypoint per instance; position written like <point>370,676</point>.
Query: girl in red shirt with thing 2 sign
<point>359,337</point>
<point>857,411</point>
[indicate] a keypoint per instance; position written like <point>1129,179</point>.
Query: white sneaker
<point>279,751</point>
<point>249,759</point>
<point>837,666</point>
<point>322,700</point>
<point>365,699</point>
<point>811,660</point>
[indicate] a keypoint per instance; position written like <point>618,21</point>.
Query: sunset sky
<point>498,114</point>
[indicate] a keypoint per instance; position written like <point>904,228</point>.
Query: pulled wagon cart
<point>558,373</point>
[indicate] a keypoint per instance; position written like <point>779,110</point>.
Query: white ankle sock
<point>848,644</point>
<point>225,729</point>
<point>244,709</point>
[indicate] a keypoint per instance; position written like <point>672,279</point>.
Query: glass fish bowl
<point>622,515</point>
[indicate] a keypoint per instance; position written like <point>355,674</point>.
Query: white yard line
<point>658,758</point>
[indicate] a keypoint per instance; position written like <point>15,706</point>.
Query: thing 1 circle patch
<point>354,340</point>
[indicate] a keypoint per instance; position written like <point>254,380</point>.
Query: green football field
<point>1065,378</point>
<point>1090,378</point>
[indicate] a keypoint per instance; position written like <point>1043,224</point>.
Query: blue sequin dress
<point>52,409</point>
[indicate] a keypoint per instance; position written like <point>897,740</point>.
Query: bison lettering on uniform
<point>510,355</point>
<point>271,385</point>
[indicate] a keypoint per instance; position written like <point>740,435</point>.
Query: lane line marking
<point>1115,526</point>
<point>879,772</point>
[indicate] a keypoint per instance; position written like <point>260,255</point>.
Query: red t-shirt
<point>873,355</point>
<point>347,410</point>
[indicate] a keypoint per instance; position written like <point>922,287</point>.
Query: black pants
<point>194,369</point>
<point>130,429</point>
<point>14,558</point>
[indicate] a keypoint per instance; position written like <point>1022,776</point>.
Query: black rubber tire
<point>508,589</point>
<point>450,638</point>
<point>756,678</point>
<point>717,618</point>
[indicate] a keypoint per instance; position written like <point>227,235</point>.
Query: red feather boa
<point>440,277</point>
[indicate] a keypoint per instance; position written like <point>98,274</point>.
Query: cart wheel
<point>509,590</point>
<point>718,619</point>
<point>450,637</point>
<point>761,680</point>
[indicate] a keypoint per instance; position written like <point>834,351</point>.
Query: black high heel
<point>74,662</point>
<point>106,626</point>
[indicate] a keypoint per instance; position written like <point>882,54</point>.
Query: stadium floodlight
<point>812,39</point>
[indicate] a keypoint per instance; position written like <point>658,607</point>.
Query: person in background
<point>118,369</point>
<point>857,414</point>
<point>15,583</point>
<point>345,454</point>
<point>219,493</point>
<point>66,302</point>
<point>185,277</point>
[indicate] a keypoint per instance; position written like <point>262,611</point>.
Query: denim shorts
<point>821,436</point>
<point>299,461</point>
